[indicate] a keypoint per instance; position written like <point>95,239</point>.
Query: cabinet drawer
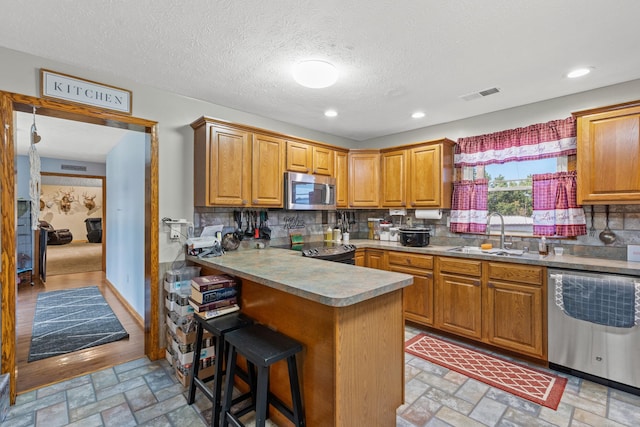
<point>411,260</point>
<point>516,273</point>
<point>461,266</point>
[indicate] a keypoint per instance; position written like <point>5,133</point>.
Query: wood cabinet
<point>237,165</point>
<point>515,315</point>
<point>608,142</point>
<point>359,258</point>
<point>417,299</point>
<point>430,182</point>
<point>341,172</point>
<point>364,178</point>
<point>393,171</point>
<point>299,157</point>
<point>267,172</point>
<point>376,259</point>
<point>323,159</point>
<point>458,297</point>
<point>222,165</point>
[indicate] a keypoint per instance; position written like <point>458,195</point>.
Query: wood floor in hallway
<point>36,374</point>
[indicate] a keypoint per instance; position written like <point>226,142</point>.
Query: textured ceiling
<point>394,57</point>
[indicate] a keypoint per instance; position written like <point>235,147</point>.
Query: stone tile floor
<point>148,394</point>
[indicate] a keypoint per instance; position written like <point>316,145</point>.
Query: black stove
<point>328,251</point>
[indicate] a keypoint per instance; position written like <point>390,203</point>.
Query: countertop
<point>329,283</point>
<point>565,261</point>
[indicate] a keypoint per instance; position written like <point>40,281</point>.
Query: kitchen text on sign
<point>73,89</point>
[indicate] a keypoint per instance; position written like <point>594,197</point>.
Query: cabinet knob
<point>413,203</point>
<point>255,202</point>
<point>244,202</point>
<point>307,170</point>
<point>403,204</point>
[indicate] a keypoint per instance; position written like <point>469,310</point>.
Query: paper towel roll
<point>428,213</point>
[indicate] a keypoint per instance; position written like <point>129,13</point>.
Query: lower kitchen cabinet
<point>375,259</point>
<point>417,298</point>
<point>515,314</point>
<point>458,297</point>
<point>359,258</point>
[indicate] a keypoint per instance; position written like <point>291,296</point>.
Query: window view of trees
<point>510,197</point>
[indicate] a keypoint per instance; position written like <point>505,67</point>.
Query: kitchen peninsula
<point>349,320</point>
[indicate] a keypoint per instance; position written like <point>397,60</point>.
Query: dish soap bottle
<point>542,246</point>
<point>329,235</point>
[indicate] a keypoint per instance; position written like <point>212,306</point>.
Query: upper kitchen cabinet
<point>430,170</point>
<point>299,157</point>
<point>310,158</point>
<point>393,168</point>
<point>267,171</point>
<point>608,142</point>
<point>237,165</point>
<point>364,178</point>
<point>221,164</point>
<point>341,171</point>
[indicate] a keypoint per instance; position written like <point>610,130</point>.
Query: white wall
<point>540,112</point>
<point>125,220</point>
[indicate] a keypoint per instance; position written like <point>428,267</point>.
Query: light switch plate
<point>633,252</point>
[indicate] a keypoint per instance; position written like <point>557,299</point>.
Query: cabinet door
<point>608,157</point>
<point>418,297</point>
<point>299,157</point>
<point>323,161</point>
<point>514,317</point>
<point>360,258</point>
<point>459,305</point>
<point>425,176</point>
<point>394,178</point>
<point>341,172</point>
<point>364,179</point>
<point>268,171</point>
<point>375,259</point>
<point>229,171</point>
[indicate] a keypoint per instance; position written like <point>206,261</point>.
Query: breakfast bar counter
<point>349,320</point>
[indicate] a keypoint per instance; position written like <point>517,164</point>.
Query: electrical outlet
<point>175,231</point>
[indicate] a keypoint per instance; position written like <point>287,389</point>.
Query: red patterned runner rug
<point>537,386</point>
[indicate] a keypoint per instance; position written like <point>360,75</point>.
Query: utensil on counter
<point>607,236</point>
<point>592,229</point>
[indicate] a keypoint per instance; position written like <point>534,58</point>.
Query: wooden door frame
<point>12,102</point>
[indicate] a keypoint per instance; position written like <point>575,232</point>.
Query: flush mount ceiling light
<point>315,74</point>
<point>417,115</point>
<point>578,72</point>
<point>331,113</point>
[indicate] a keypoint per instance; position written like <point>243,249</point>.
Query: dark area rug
<point>72,320</point>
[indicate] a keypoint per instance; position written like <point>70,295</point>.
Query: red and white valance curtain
<point>469,206</point>
<point>555,207</point>
<point>543,140</point>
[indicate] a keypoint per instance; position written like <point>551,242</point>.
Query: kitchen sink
<point>494,251</point>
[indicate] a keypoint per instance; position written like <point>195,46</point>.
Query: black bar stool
<point>218,327</point>
<point>262,347</point>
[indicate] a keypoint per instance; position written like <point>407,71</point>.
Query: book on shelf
<point>212,282</point>
<point>214,295</point>
<point>199,308</point>
<point>210,314</point>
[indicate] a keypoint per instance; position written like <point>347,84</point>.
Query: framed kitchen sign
<point>80,91</point>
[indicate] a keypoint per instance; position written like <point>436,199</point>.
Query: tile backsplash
<point>624,221</point>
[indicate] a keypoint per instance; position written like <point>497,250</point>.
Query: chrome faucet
<point>501,227</point>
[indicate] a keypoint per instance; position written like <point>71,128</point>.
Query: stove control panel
<point>321,252</point>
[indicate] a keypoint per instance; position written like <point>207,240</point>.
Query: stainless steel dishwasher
<point>593,326</point>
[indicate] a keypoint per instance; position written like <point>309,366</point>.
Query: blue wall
<point>125,218</point>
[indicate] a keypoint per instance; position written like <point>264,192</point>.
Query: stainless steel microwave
<point>309,192</point>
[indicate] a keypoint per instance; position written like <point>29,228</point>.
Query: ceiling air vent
<point>73,168</point>
<point>475,95</point>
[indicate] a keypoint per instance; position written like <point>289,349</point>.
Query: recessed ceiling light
<point>417,115</point>
<point>331,113</point>
<point>579,72</point>
<point>315,74</point>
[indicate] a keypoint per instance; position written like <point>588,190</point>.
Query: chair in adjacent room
<point>60,236</point>
<point>94,229</point>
